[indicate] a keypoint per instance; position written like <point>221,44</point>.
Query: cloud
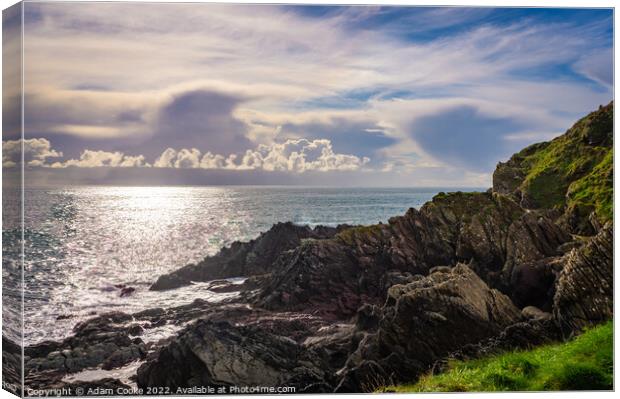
<point>297,156</point>
<point>122,77</point>
<point>183,159</point>
<point>97,159</point>
<point>294,156</point>
<point>598,66</point>
<point>199,118</point>
<point>35,151</point>
<point>464,136</point>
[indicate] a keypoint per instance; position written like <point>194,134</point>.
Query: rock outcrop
<point>424,321</point>
<point>394,342</point>
<point>220,354</point>
<point>98,342</point>
<point>584,293</point>
<point>336,276</point>
<point>245,259</point>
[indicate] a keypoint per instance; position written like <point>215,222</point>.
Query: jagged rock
<point>503,236</point>
<point>368,317</point>
<point>584,292</point>
<point>245,259</point>
<point>103,341</point>
<point>336,276</point>
<point>320,276</point>
<point>425,320</point>
<point>221,354</point>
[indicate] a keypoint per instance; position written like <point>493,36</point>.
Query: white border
<point>482,3</point>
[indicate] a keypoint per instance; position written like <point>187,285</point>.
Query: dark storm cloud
<point>199,119</point>
<point>11,117</point>
<point>465,137</point>
<point>11,72</point>
<point>71,123</point>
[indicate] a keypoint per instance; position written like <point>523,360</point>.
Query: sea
<point>82,243</point>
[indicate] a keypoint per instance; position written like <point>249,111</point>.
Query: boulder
<point>103,341</point>
<point>534,313</point>
<point>424,321</point>
<point>217,353</point>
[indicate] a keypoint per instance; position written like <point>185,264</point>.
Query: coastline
<point>353,308</point>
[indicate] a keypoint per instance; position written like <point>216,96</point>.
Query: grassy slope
<point>569,172</point>
<point>585,363</point>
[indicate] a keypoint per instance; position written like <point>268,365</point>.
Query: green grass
<point>595,190</point>
<point>569,172</point>
<point>585,363</point>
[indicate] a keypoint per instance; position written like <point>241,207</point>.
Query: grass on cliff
<point>568,172</point>
<point>585,363</point>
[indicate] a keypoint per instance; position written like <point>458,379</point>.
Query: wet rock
<point>124,356</point>
<point>103,341</point>
<point>151,314</point>
<point>224,286</point>
<point>135,329</point>
<point>127,291</point>
<point>245,259</point>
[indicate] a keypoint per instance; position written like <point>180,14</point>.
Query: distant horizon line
<point>445,187</point>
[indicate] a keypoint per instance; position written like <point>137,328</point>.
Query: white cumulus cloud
<point>297,156</point>
<point>293,155</point>
<point>94,159</point>
<point>36,152</point>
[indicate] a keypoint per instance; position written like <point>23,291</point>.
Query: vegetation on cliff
<point>585,363</point>
<point>572,173</point>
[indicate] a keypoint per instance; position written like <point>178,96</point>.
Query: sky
<point>271,94</point>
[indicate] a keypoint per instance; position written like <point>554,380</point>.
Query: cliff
<point>573,173</point>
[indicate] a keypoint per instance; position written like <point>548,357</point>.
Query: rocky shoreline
<point>353,308</point>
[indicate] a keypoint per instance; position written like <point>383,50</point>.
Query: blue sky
<point>419,96</point>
